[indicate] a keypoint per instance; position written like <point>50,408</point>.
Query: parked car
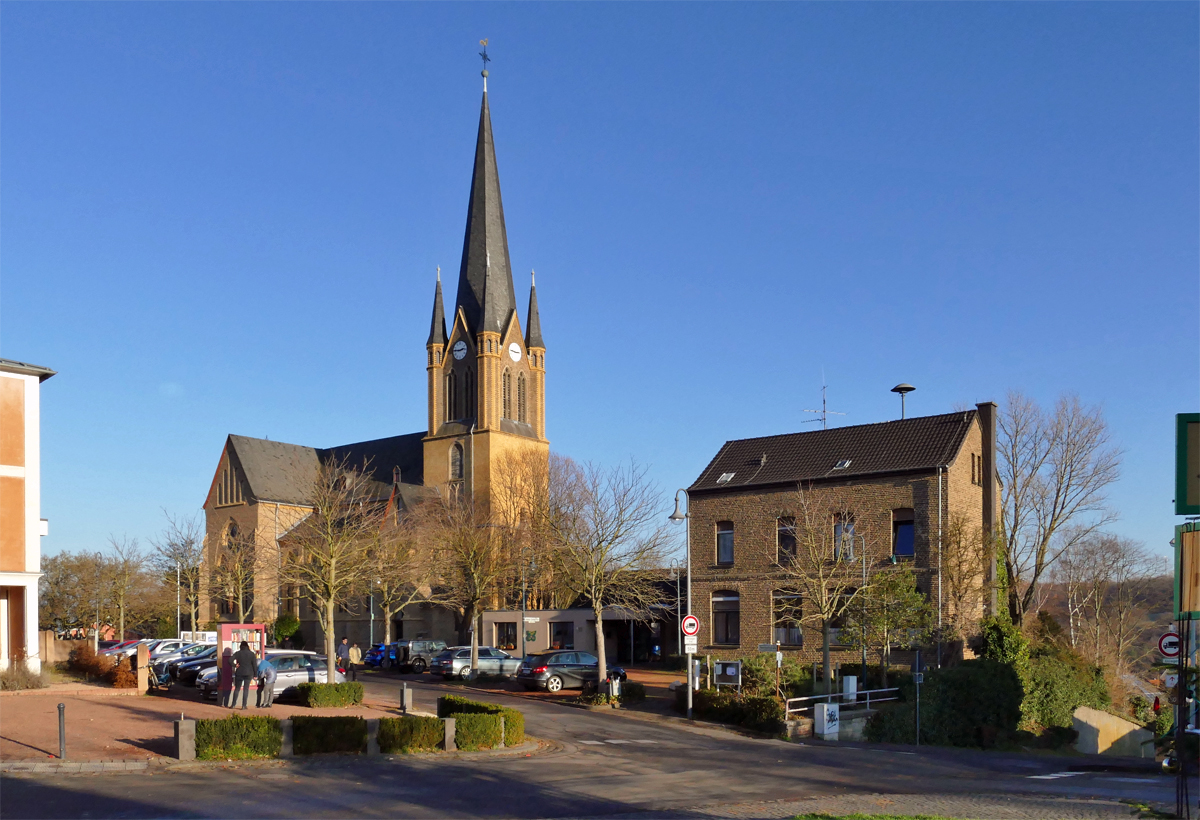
<point>558,670</point>
<point>165,667</point>
<point>187,672</point>
<point>380,655</point>
<point>455,662</point>
<point>293,667</point>
<point>416,656</point>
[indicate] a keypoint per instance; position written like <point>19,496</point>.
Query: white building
<point>21,524</point>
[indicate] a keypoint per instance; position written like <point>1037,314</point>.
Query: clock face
<point>460,349</point>
<point>514,352</point>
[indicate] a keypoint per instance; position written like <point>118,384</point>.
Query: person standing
<point>245,667</point>
<point>343,655</point>
<point>355,657</point>
<point>266,684</point>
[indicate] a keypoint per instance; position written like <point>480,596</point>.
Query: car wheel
<point>554,683</point>
<point>418,666</point>
<point>465,674</point>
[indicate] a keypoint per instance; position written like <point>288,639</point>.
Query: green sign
<point>1187,464</point>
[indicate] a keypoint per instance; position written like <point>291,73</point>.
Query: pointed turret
<point>485,285</point>
<point>437,329</point>
<point>533,327</point>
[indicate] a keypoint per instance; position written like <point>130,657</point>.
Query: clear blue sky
<point>225,217</point>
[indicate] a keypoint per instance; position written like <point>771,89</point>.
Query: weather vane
<point>483,54</point>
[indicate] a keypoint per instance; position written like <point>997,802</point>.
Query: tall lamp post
<point>863,683</point>
<point>686,518</point>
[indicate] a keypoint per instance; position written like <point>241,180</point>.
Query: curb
<point>94,691</point>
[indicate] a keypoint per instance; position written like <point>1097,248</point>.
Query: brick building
<point>885,491</point>
<point>21,524</point>
<point>486,399</point>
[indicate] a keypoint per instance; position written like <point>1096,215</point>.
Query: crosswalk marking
<point>1054,776</point>
<point>645,741</point>
<point>593,742</point>
<point>616,741</point>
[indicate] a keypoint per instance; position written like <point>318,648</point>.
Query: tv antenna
<point>824,411</point>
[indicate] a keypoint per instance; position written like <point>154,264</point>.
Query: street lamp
<point>686,518</point>
<point>524,598</point>
<point>903,389</point>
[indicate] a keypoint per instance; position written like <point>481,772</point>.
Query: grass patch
<point>19,676</point>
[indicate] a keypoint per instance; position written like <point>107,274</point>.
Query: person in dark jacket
<point>245,670</point>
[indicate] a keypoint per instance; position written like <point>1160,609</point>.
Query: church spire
<point>533,329</point>
<point>437,328</point>
<point>485,285</point>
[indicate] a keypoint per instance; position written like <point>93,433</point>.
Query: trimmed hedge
<point>316,695</point>
<point>474,731</point>
<point>317,735</point>
<point>632,692</point>
<point>514,721</point>
<point>238,738</point>
<point>758,712</point>
<point>411,733</point>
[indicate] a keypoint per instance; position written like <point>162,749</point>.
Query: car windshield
<point>444,655</point>
<point>194,650</point>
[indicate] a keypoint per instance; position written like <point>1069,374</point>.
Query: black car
<point>186,673</point>
<point>563,669</point>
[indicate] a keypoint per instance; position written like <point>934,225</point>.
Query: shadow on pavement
<point>36,799</point>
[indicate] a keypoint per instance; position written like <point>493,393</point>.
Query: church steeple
<point>533,330</point>
<point>485,284</point>
<point>437,329</point>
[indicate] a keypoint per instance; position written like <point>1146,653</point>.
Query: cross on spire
<point>486,60</point>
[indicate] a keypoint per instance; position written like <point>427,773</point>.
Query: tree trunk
<point>330,645</point>
<point>827,671</point>
<point>602,661</point>
<point>475,619</point>
<point>387,629</point>
<point>122,608</point>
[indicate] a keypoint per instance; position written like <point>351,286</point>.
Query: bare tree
<point>1080,573</point>
<point>825,567</point>
<point>403,567</point>
<point>1055,468</point>
<point>607,533</point>
<point>127,564</point>
<point>179,552</point>
<point>964,554</point>
<point>326,555</point>
<point>232,574</point>
<point>74,592</point>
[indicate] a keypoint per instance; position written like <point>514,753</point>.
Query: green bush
<point>632,692</point>
<point>238,738</point>
<point>972,704</point>
<point>1060,682</point>
<point>1165,722</point>
<point>514,721</point>
<point>760,712</point>
<point>758,676</point>
<point>411,733</point>
<point>473,731</point>
<point>1004,643</point>
<point>330,694</point>
<point>316,735</point>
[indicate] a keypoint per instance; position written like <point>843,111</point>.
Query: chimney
<point>987,424</point>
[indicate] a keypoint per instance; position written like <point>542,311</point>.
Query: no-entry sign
<point>1168,645</point>
<point>690,625</point>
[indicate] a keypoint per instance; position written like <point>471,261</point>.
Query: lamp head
<point>903,388</point>
<point>677,516</point>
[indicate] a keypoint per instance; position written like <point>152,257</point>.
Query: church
<point>486,375</point>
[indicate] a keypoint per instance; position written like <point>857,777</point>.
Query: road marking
<point>593,742</point>
<point>645,741</point>
<point>616,741</point>
<point>1054,776</point>
<point>1132,779</point>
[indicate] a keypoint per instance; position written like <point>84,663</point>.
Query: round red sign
<point>690,625</point>
<point>1168,645</point>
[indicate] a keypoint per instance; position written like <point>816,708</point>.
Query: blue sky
<point>226,217</point>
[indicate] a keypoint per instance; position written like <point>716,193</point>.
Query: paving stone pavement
<point>971,807</point>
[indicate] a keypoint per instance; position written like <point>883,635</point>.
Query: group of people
<point>247,667</point>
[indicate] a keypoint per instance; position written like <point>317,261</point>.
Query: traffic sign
<point>1168,645</point>
<point>690,626</point>
<point>689,644</point>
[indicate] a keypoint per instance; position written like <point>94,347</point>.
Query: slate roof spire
<point>533,329</point>
<point>485,284</point>
<point>437,326</point>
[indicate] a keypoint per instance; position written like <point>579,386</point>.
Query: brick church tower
<point>487,379</point>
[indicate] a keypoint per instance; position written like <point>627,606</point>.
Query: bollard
<point>185,739</point>
<point>372,736</point>
<point>448,742</point>
<point>62,731</point>
<point>286,748</point>
<point>406,700</point>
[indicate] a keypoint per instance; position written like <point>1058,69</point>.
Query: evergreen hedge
<point>317,735</point>
<point>478,730</point>
<point>759,712</point>
<point>411,733</point>
<point>238,738</point>
<point>316,695</point>
<point>1060,682</point>
<point>514,722</point>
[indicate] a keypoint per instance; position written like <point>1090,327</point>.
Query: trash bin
<point>614,687</point>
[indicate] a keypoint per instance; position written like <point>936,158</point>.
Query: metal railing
<point>798,705</point>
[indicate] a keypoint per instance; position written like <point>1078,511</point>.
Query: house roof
<point>26,369</point>
<point>906,445</point>
<point>277,471</point>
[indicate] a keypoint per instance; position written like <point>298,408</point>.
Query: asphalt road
<point>601,764</point>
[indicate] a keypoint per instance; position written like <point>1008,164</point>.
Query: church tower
<point>486,378</point>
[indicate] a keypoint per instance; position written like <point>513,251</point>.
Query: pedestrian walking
<point>245,667</point>
<point>355,658</point>
<point>266,684</point>
<point>343,655</point>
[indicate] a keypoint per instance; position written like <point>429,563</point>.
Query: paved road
<point>602,764</point>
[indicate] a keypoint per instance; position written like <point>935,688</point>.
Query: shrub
<point>474,731</point>
<point>759,712</point>
<point>1004,643</point>
<point>315,735</point>
<point>285,626</point>
<point>315,695</point>
<point>632,692</point>
<point>972,704</point>
<point>20,676</point>
<point>84,660</point>
<point>514,721</point>
<point>238,738</point>
<point>762,713</point>
<point>122,675</point>
<point>1164,723</point>
<point>1060,682</point>
<point>411,733</point>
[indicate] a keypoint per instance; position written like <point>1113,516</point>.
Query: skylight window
<point>843,464</point>
<point>725,478</point>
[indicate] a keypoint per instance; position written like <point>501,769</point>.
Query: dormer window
<point>725,478</point>
<point>843,464</point>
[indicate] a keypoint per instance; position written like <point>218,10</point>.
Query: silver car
<point>455,662</point>
<point>292,668</point>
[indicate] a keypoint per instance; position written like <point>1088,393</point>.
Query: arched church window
<point>469,394</point>
<point>456,462</point>
<point>521,397</point>
<point>507,385</point>
<point>451,396</point>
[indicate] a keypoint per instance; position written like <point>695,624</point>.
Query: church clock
<point>460,349</point>
<point>514,352</point>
